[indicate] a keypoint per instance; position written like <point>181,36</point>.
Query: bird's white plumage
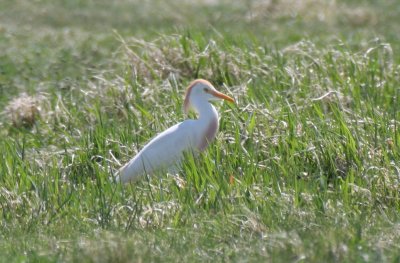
<point>162,153</point>
<point>165,151</point>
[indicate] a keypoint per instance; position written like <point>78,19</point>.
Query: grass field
<point>313,143</point>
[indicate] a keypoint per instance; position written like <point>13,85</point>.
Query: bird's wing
<point>163,151</point>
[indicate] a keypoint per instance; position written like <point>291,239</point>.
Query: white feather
<point>164,152</point>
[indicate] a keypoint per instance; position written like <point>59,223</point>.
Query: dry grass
<point>24,110</point>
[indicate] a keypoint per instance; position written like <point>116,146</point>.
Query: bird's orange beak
<point>222,96</point>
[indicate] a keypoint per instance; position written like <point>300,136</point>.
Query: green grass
<point>313,143</point>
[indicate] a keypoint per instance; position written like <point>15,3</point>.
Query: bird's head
<point>202,90</point>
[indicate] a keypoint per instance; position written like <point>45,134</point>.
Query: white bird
<point>165,151</point>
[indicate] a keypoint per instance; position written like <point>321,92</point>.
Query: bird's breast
<point>209,134</point>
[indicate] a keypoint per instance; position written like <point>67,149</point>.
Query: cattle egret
<point>165,151</point>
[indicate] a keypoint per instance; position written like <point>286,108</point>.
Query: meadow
<point>305,167</point>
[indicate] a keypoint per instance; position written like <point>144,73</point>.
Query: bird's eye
<point>205,90</point>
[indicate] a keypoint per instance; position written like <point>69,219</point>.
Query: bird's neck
<point>206,111</point>
<point>208,115</point>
